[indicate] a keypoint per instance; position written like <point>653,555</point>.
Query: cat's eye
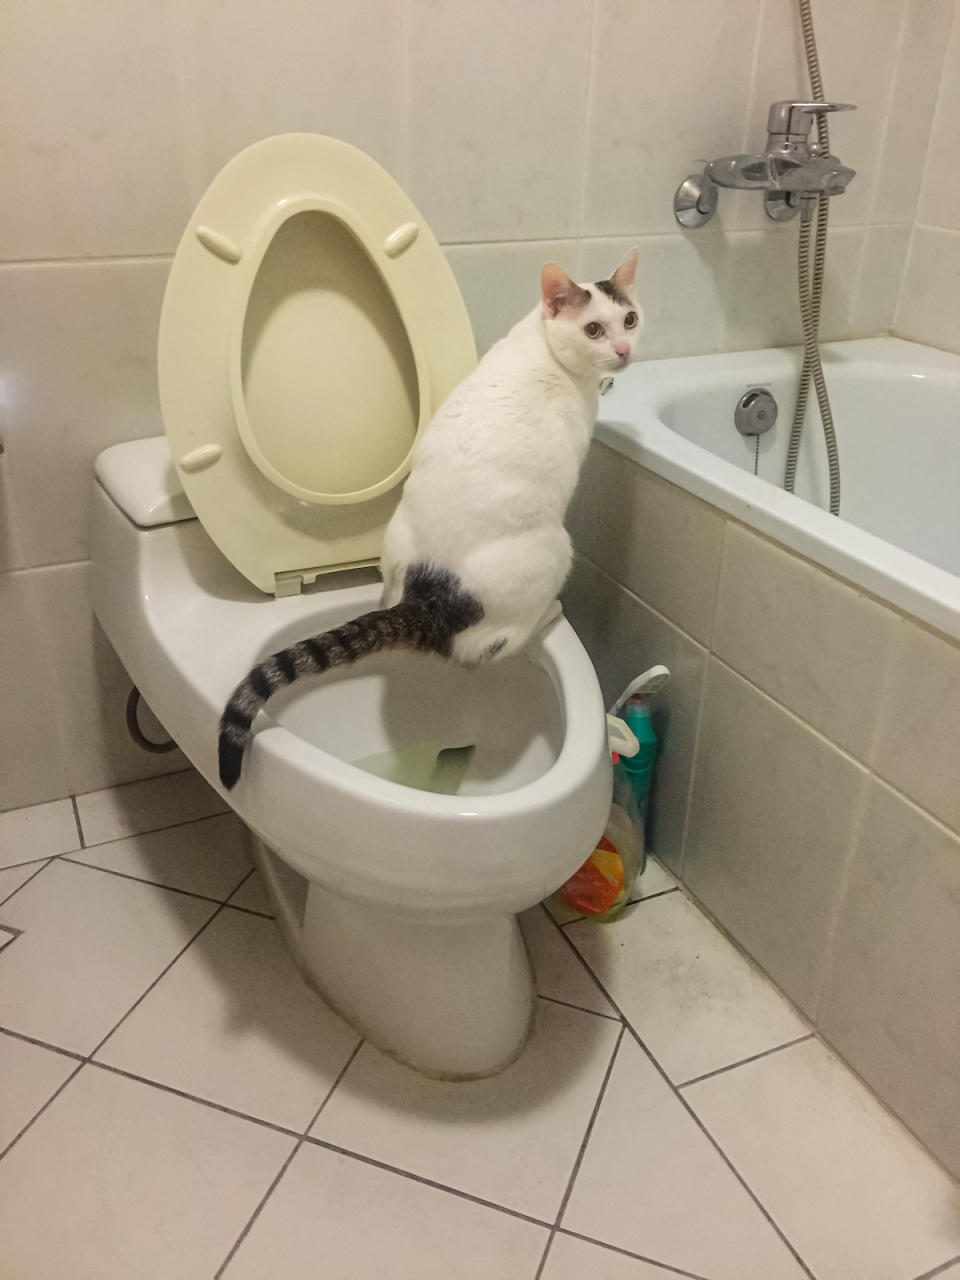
<point>630,320</point>
<point>593,329</point>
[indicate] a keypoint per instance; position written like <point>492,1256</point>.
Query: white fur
<point>495,469</point>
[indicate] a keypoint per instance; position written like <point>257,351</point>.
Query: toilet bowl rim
<point>558,650</point>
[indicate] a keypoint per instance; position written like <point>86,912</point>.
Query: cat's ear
<point>559,290</point>
<point>622,278</point>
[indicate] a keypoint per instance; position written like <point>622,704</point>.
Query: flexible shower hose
<point>811,296</point>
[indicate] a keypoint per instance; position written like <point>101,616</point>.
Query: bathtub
<point>806,789</point>
<point>896,406</point>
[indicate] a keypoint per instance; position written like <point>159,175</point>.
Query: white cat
<point>476,552</point>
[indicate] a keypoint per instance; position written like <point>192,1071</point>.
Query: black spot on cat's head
<point>613,293</point>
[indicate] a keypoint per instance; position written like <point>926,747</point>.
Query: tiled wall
<point>552,128</point>
<point>929,309</point>
<point>807,788</point>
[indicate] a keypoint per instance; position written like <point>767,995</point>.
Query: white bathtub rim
<point>897,577</point>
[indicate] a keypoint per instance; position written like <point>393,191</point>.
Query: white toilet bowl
<point>398,898</point>
<point>401,904</point>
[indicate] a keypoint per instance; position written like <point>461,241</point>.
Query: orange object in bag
<point>595,887</point>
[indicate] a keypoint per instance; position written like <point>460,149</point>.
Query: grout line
<point>43,864</point>
<point>286,1164</point>
<point>163,972</point>
<point>171,888</point>
<point>611,1017</point>
<point>649,897</point>
<point>426,1182</point>
<point>632,902</point>
<point>41,1044</point>
<point>580,1153</point>
<point>723,1155</point>
<point>171,826</point>
<point>250,911</point>
<point>56,1093</point>
<point>588,111</point>
<point>742,1062</point>
<point>938,1271</point>
<point>44,858</point>
<point>76,818</point>
<point>640,1257</point>
<point>191,1097</point>
<point>690,1111</point>
<point>127,875</point>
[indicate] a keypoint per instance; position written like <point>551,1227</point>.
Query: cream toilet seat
<point>307,294</point>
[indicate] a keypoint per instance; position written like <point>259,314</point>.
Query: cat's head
<point>592,328</point>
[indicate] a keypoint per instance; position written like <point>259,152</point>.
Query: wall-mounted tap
<point>790,169</point>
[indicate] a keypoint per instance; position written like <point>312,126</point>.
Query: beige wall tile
<point>929,308</point>
<point>82,340</point>
<point>913,100</point>
<point>679,287</point>
<point>31,761</point>
<point>332,68</point>
<point>624,638</point>
<point>497,116</point>
<point>918,747</point>
<point>94,160</point>
<point>657,540</point>
<point>873,307</point>
<point>890,1003</point>
<point>759,286</point>
<point>771,820</point>
<point>500,283</point>
<point>858,42</point>
<point>647,129</point>
<point>940,197</point>
<point>814,644</point>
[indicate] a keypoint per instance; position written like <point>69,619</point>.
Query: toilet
<point>402,811</point>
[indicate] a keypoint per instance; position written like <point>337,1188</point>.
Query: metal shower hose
<point>811,295</point>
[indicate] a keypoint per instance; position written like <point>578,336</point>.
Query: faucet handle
<point>792,120</point>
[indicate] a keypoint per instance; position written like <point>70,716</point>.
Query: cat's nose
<point>622,349</point>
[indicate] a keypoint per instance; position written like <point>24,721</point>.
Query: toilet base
<point>454,1001</point>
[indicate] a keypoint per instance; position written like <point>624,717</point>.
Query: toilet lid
<point>310,328</point>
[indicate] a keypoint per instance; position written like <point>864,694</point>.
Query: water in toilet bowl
<point>424,766</point>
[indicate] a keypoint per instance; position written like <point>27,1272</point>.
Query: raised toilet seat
<point>399,903</point>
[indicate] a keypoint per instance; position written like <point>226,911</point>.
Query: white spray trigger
<point>620,738</point>
<point>645,685</point>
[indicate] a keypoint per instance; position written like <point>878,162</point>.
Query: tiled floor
<point>175,1103</point>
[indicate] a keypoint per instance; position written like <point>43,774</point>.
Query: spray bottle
<point>603,885</point>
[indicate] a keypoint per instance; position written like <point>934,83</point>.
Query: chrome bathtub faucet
<point>790,170</point>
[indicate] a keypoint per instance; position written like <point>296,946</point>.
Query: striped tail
<point>433,610</point>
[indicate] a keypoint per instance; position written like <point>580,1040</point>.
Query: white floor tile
<point>655,879</point>
<point>253,896</point>
<point>512,1139</point>
<point>29,1075</point>
<point>319,1219</point>
<point>692,998</point>
<point>13,877</point>
<point>119,1180</point>
<point>207,857</point>
<point>42,831</point>
<point>558,972</point>
<point>234,1022</point>
<point>91,945</point>
<point>146,806</point>
<point>573,1259</point>
<point>652,1183</point>
<point>855,1193</point>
